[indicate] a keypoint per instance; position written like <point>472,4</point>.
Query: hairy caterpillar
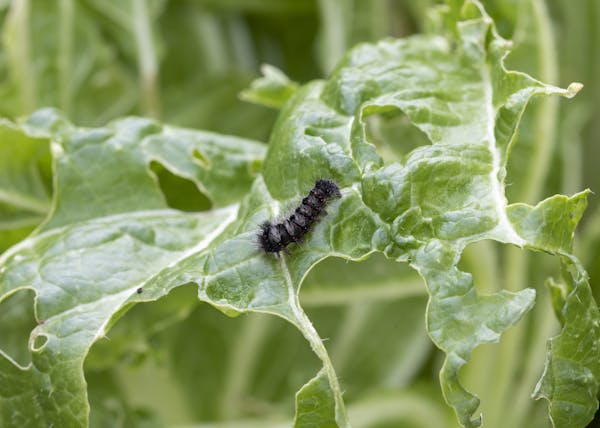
<point>275,237</point>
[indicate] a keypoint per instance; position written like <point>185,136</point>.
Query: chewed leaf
<point>549,226</point>
<point>105,171</point>
<point>571,377</point>
<point>458,320</point>
<point>110,241</point>
<point>107,260</point>
<point>441,196</point>
<point>109,233</point>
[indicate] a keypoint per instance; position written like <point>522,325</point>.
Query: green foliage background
<point>179,362</point>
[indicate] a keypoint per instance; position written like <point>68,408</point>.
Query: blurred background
<point>179,363</point>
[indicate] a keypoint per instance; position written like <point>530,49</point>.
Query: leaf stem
<point>355,318</point>
<point>316,344</point>
<point>147,61</point>
<point>506,357</point>
<point>18,46</point>
<point>418,409</point>
<point>209,36</point>
<point>65,60</point>
<point>334,31</point>
<point>590,237</point>
<point>545,325</point>
<point>241,44</point>
<point>482,261</point>
<point>25,202</point>
<point>308,331</point>
<point>545,118</point>
<point>415,406</point>
<point>242,362</point>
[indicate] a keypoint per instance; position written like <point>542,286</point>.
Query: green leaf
<point>271,90</point>
<point>314,404</point>
<point>110,233</point>
<point>110,242</point>
<point>109,259</point>
<point>549,226</point>
<point>24,183</point>
<point>220,166</point>
<point>235,277</point>
<point>442,196</point>
<point>572,354</point>
<point>571,377</point>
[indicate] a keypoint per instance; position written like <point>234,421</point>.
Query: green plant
<point>420,133</point>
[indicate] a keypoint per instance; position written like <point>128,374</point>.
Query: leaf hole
<point>39,342</point>
<point>129,333</point>
<point>181,193</point>
<point>394,135</point>
<point>176,341</point>
<point>361,306</point>
<point>17,320</point>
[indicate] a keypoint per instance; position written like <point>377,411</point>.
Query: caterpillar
<point>275,237</point>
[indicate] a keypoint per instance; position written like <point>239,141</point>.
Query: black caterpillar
<point>275,237</point>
